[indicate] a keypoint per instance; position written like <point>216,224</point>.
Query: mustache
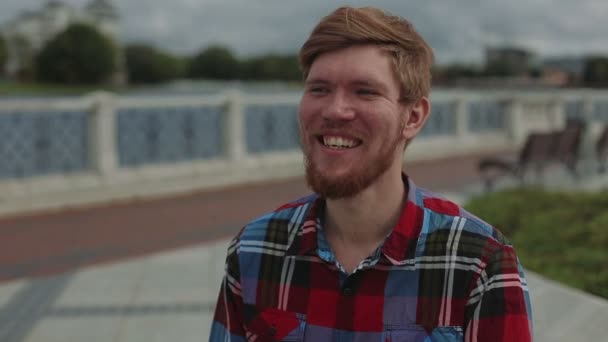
<point>335,125</point>
<point>331,127</point>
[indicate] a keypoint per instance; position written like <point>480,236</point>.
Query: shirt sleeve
<point>498,308</point>
<point>227,325</point>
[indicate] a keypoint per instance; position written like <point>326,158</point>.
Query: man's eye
<point>318,90</point>
<point>366,92</point>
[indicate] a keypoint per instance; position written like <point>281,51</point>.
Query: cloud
<point>457,30</point>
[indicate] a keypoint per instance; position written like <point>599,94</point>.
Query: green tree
<point>146,64</point>
<point>78,55</point>
<point>26,55</point>
<point>215,62</point>
<point>272,67</point>
<point>595,72</point>
<point>456,70</point>
<point>500,68</point>
<point>3,54</point>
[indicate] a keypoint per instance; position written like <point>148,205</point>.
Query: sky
<point>457,30</point>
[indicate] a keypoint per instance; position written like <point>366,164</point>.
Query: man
<point>369,256</point>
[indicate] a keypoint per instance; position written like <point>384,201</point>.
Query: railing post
<point>462,118</point>
<point>234,127</point>
<point>558,114</point>
<point>587,109</point>
<point>515,124</point>
<point>587,144</point>
<point>103,135</point>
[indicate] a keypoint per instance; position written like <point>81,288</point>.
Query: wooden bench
<point>567,146</point>
<point>539,150</point>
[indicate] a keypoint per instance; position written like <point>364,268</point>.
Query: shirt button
<point>347,291</point>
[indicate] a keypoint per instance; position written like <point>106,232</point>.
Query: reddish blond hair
<point>347,26</point>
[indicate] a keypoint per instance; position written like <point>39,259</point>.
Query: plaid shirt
<point>441,275</point>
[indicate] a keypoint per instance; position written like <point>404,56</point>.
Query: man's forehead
<point>353,80</point>
<point>357,75</point>
<point>362,60</point>
<point>353,52</point>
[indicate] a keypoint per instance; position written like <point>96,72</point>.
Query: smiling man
<point>369,256</point>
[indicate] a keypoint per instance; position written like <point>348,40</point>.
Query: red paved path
<point>48,243</point>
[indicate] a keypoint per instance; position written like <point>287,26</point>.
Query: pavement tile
<point>192,275</point>
<point>566,314</point>
<point>159,328</point>
<point>8,290</point>
<point>76,329</point>
<point>115,283</point>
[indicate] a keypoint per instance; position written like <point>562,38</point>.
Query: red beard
<point>359,178</point>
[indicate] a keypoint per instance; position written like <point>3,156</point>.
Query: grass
<point>561,235</point>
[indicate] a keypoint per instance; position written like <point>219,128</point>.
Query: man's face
<point>351,120</point>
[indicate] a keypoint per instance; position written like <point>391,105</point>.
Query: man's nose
<point>339,107</point>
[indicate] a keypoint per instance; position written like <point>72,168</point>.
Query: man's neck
<point>363,221</point>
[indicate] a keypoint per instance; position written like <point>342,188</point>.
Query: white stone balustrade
<point>106,179</point>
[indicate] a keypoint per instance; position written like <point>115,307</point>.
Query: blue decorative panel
<point>486,116</point>
<point>600,111</point>
<point>42,143</point>
<point>442,120</point>
<point>271,128</point>
<point>164,135</point>
<point>574,109</point>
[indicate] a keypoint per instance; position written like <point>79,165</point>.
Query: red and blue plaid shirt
<point>441,275</point>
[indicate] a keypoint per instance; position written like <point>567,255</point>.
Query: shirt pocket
<point>272,325</point>
<point>416,333</point>
<point>403,333</point>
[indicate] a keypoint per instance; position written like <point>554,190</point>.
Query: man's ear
<point>415,117</point>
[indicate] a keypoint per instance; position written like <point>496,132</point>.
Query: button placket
<point>272,331</point>
<point>347,291</point>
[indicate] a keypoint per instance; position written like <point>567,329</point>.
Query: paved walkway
<point>52,242</point>
<point>150,270</point>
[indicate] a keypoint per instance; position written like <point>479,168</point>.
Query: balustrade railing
<point>103,140</point>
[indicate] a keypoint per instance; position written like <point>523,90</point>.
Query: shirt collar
<point>305,241</point>
<point>398,246</point>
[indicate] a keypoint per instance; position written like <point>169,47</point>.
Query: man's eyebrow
<point>317,81</point>
<point>369,83</point>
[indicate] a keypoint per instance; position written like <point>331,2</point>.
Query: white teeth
<point>338,142</point>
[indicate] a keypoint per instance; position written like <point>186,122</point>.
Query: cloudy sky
<point>457,30</point>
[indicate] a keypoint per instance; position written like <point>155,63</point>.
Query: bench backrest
<point>537,148</point>
<point>601,147</point>
<point>567,144</point>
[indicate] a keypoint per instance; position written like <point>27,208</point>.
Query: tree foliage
<point>25,51</point>
<point>219,63</point>
<point>3,54</point>
<point>500,68</point>
<point>146,64</point>
<point>595,72</point>
<point>458,70</point>
<point>271,67</point>
<point>78,55</point>
<point>215,62</point>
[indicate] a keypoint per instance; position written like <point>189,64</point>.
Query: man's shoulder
<point>277,223</point>
<point>447,215</point>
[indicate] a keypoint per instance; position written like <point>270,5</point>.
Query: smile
<point>338,143</point>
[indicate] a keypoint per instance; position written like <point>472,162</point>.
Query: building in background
<point>571,67</point>
<point>27,33</point>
